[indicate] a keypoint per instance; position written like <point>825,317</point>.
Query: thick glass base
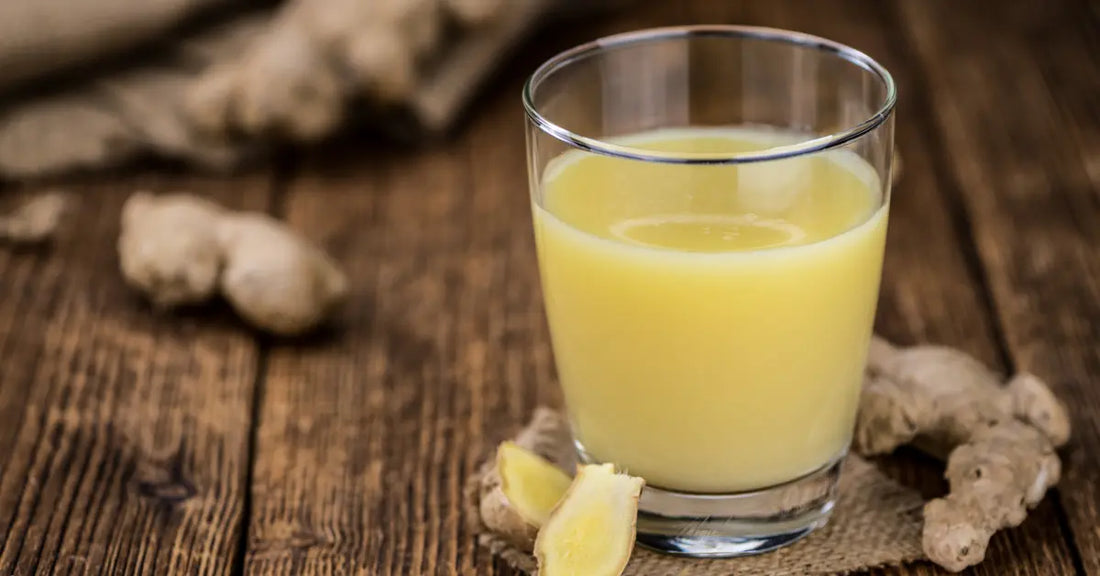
<point>728,525</point>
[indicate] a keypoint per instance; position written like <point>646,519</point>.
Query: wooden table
<point>133,441</point>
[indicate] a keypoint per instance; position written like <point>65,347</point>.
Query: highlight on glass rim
<point>600,288</point>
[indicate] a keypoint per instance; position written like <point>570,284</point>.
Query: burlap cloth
<point>877,522</point>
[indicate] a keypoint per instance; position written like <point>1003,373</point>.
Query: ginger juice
<point>710,322</point>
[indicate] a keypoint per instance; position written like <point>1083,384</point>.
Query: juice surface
<point>710,323</point>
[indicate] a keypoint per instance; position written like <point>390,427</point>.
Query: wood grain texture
<point>1019,131</point>
<point>364,443</point>
<point>123,432</point>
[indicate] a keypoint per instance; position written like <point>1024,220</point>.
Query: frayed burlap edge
<point>877,522</point>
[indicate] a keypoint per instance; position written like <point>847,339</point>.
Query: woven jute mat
<point>877,522</point>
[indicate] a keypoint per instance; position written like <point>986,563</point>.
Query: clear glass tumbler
<point>710,208</point>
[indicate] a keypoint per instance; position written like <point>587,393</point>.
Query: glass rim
<point>818,144</point>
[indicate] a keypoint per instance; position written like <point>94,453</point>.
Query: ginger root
<point>36,221</point>
<point>518,494</point>
<point>998,440</point>
<point>299,79</point>
<point>180,249</point>
<point>592,529</point>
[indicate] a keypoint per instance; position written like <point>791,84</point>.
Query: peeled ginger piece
<point>591,531</point>
<point>531,483</point>
<point>519,493</point>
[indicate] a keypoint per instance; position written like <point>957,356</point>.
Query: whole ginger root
<point>998,440</point>
<point>180,249</point>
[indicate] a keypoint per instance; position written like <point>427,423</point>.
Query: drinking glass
<point>710,207</point>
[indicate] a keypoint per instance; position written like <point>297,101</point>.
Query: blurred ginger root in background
<point>212,83</point>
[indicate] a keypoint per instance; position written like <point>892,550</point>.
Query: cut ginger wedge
<point>591,531</point>
<point>531,483</point>
<point>518,494</point>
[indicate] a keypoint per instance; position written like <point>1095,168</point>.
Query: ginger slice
<point>519,494</point>
<point>532,484</point>
<point>592,529</point>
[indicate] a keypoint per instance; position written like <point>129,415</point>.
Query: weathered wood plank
<point>353,462</point>
<point>364,443</point>
<point>357,463</point>
<point>1020,129</point>
<point>123,432</point>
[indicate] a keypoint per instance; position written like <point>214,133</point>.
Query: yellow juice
<point>710,322</point>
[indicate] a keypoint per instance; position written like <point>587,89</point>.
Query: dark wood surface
<point>133,441</point>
